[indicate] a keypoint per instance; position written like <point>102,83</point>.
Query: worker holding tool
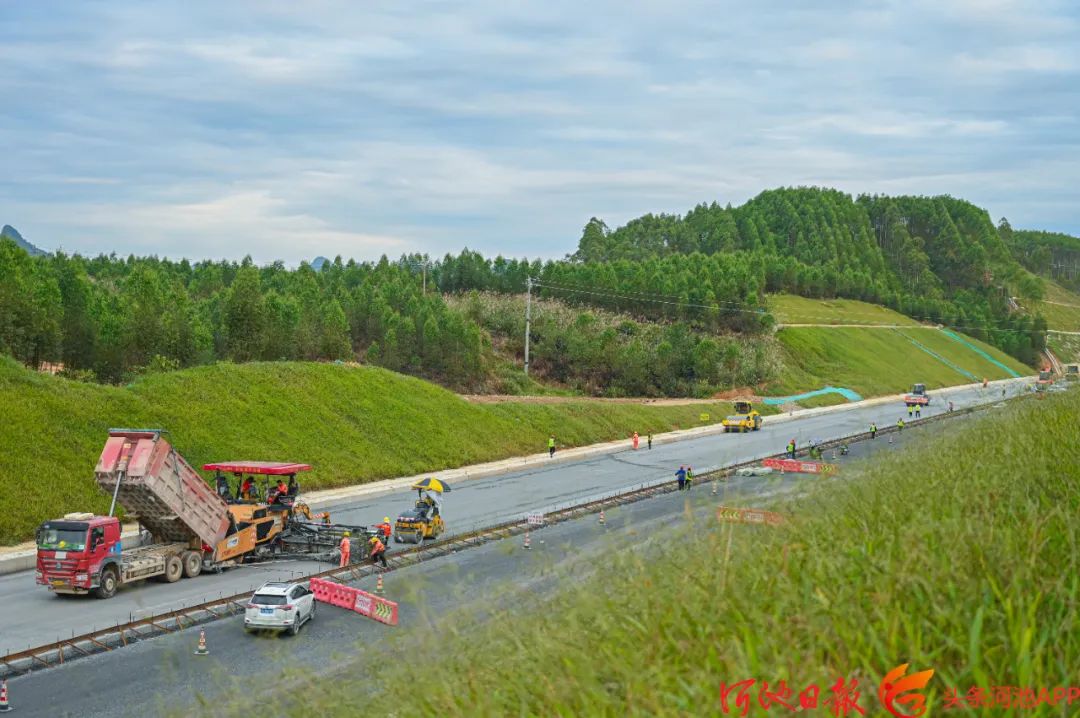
<point>346,549</point>
<point>378,551</point>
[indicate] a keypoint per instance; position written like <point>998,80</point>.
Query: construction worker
<point>650,440</point>
<point>346,549</point>
<point>378,551</point>
<point>635,440</point>
<point>950,406</point>
<point>681,476</point>
<point>280,490</point>
<point>985,382</point>
<point>689,476</point>
<point>551,446</point>
<point>900,424</point>
<point>791,448</point>
<point>385,528</point>
<point>910,409</point>
<point>918,411</point>
<point>247,488</point>
<point>873,430</point>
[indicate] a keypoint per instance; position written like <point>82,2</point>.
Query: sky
<point>286,130</point>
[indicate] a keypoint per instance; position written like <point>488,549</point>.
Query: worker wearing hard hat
<point>378,551</point>
<point>384,530</point>
<point>346,549</point>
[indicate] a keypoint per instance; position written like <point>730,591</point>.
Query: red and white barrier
<point>353,599</point>
<point>801,467</point>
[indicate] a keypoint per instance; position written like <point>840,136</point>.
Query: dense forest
<point>702,277</point>
<point>937,259</point>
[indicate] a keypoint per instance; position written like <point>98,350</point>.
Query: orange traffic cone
<point>526,545</point>
<point>202,649</point>
<point>601,517</point>
<point>4,705</point>
<point>378,585</point>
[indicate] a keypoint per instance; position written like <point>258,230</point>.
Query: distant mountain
<point>318,262</point>
<point>9,232</point>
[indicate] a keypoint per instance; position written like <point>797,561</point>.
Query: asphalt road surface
<point>42,617</point>
<point>161,676</point>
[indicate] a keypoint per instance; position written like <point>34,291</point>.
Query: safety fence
<point>353,599</point>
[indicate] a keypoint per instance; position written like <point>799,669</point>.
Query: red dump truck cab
<point>73,551</point>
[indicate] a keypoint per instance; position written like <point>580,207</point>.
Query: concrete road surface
<point>43,617</point>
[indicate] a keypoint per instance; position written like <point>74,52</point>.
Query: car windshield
<point>62,539</point>
<point>266,599</point>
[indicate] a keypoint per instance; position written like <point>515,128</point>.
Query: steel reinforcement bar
<point>120,635</point>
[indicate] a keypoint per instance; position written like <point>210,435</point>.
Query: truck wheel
<point>192,561</point>
<point>174,569</point>
<point>109,582</point>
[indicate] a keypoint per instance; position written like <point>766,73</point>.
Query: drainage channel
<point>121,635</point>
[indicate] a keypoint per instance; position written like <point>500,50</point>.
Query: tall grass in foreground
<point>958,554</point>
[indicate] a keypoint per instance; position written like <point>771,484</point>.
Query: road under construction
<point>475,503</point>
<point>160,675</point>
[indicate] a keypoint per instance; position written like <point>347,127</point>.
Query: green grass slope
<point>873,362</point>
<point>791,309</point>
<point>966,565</point>
<point>1061,308</point>
<point>353,424</point>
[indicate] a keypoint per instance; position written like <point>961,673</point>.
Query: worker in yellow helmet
<point>346,549</point>
<point>378,551</point>
<point>384,530</point>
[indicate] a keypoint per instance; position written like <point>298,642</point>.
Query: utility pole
<point>528,319</point>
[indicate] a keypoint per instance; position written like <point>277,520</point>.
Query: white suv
<point>280,606</point>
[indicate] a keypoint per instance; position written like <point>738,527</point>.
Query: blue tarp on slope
<point>846,393</point>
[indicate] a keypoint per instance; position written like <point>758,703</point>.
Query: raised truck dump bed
<point>165,493</point>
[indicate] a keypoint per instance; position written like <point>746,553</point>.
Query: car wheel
<point>295,627</point>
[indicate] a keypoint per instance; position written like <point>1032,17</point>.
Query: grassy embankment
<point>1062,308</point>
<point>958,554</point>
<point>870,361</point>
<point>353,424</point>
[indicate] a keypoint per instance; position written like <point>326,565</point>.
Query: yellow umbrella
<point>432,484</point>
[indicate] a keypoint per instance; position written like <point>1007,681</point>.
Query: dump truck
<point>1045,380</point>
<point>745,418</point>
<point>917,396</point>
<point>190,525</point>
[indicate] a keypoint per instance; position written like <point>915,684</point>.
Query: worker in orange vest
<point>346,549</point>
<point>378,551</point>
<point>635,440</point>
<point>385,528</point>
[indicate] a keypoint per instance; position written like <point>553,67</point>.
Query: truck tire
<point>174,569</point>
<point>192,561</point>
<point>109,583</point>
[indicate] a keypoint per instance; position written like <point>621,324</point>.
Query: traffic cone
<point>378,585</point>
<point>602,517</point>
<point>202,649</point>
<point>4,705</point>
<point>526,545</point>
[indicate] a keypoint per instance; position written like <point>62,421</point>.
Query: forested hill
<point>934,258</point>
<point>1050,254</point>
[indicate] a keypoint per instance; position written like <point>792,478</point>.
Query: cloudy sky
<point>288,130</point>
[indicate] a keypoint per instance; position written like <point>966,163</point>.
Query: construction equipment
<point>745,418</point>
<point>1072,372</point>
<point>1045,380</point>
<point>192,526</point>
<point>917,396</point>
<point>424,520</point>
